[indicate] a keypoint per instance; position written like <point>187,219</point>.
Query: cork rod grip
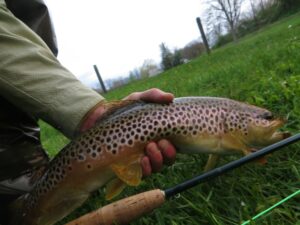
<point>123,211</point>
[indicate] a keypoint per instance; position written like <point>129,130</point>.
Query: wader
<point>22,158</point>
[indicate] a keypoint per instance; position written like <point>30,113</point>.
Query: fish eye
<point>267,116</point>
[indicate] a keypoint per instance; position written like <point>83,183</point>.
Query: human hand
<point>162,152</point>
<point>156,153</point>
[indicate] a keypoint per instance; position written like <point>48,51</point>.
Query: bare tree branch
<point>227,10</point>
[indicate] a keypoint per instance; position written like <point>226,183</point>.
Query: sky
<point>119,35</point>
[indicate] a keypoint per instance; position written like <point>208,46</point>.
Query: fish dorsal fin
<point>114,188</point>
<point>131,174</point>
<point>113,108</point>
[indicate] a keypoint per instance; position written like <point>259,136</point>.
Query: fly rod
<point>128,209</point>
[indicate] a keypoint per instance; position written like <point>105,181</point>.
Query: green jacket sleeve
<point>33,80</point>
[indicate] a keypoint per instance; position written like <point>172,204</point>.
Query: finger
<point>146,166</point>
<point>156,95</point>
<point>168,151</point>
<point>92,117</point>
<point>155,157</point>
<point>152,95</point>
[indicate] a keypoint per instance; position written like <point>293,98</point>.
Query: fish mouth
<point>261,136</point>
<point>276,135</point>
<point>277,123</point>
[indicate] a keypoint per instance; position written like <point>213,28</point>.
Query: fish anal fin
<point>114,188</point>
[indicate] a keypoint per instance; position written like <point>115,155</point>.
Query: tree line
<point>224,22</point>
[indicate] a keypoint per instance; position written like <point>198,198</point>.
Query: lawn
<point>262,69</point>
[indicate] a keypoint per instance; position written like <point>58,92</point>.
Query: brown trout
<point>109,153</point>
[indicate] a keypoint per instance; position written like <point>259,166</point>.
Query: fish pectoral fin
<point>262,160</point>
<point>131,174</point>
<point>211,162</point>
<point>114,188</point>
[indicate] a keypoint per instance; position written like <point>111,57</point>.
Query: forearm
<point>32,78</point>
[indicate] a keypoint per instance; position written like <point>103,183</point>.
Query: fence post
<point>203,35</point>
<point>100,79</point>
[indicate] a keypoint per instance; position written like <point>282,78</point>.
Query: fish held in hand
<point>110,153</point>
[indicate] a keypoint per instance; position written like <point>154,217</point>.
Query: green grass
<point>262,69</point>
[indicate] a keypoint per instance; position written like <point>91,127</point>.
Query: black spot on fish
<point>88,166</point>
